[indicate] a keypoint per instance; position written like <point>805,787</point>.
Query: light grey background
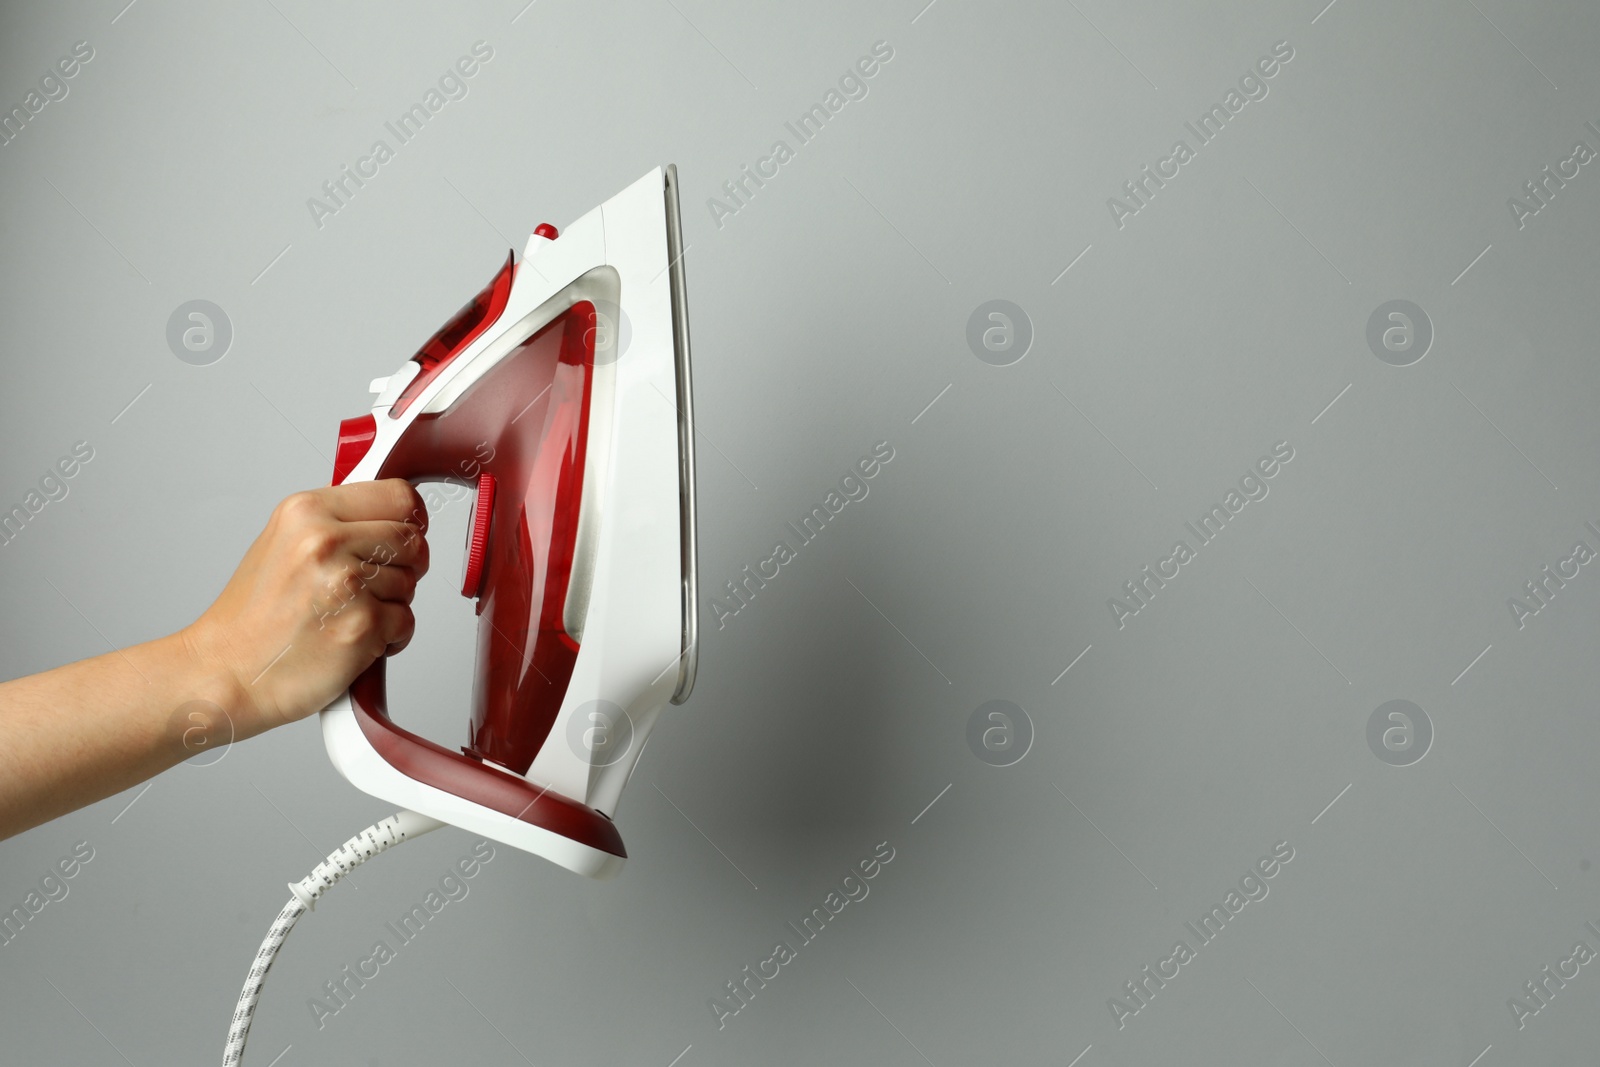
<point>827,314</point>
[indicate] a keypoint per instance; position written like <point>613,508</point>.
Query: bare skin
<point>323,592</point>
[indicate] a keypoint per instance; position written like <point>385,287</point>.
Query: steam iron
<point>561,394</point>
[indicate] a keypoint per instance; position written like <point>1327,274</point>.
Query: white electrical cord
<point>401,826</point>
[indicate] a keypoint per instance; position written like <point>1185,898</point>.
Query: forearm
<point>323,592</point>
<point>88,730</point>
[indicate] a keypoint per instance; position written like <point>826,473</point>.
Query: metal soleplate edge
<point>686,483</point>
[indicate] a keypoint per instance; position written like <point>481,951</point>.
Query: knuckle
<point>408,544</point>
<point>408,501</point>
<point>424,558</point>
<point>298,507</point>
<point>357,626</point>
<point>395,628</point>
<point>318,544</point>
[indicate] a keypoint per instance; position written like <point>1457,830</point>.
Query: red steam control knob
<point>355,439</point>
<point>478,536</point>
<point>545,230</point>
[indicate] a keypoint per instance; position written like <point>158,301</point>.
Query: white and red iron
<point>561,393</point>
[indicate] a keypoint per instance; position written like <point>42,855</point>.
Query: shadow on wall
<point>810,759</point>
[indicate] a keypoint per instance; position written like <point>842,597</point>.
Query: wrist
<point>215,706</point>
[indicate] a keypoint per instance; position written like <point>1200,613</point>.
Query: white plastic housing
<point>632,630</point>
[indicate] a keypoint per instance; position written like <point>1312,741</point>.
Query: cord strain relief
<point>304,895</point>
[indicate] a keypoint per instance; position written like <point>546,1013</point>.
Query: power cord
<point>401,826</point>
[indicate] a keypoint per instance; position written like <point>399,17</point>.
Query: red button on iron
<point>545,230</point>
<point>478,536</point>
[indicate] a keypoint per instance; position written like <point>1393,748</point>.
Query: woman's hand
<point>323,592</point>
